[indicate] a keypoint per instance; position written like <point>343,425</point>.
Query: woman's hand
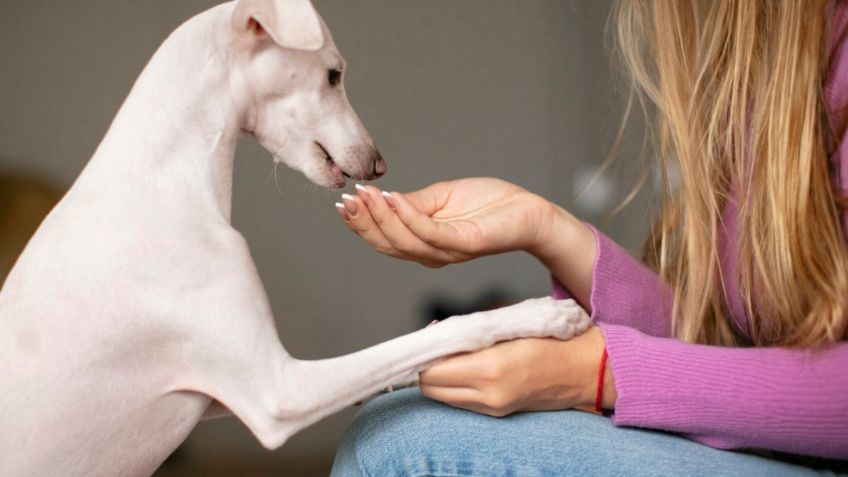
<point>455,221</point>
<point>449,222</point>
<point>530,374</point>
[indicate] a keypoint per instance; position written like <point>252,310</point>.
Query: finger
<point>359,220</point>
<point>452,395</point>
<point>395,231</point>
<point>460,371</point>
<point>430,199</point>
<point>469,399</point>
<point>437,234</point>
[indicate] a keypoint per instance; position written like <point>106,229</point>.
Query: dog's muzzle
<point>363,163</point>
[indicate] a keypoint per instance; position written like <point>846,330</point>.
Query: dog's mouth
<point>339,175</point>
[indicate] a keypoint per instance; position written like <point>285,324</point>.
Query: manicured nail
<point>350,204</point>
<point>340,208</point>
<point>389,199</point>
<point>339,205</point>
<point>363,193</point>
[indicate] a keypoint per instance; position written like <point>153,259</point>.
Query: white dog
<point>136,308</point>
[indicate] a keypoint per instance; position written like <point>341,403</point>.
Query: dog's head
<point>291,75</point>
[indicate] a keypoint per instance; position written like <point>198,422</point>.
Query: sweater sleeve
<point>767,398</point>
<point>788,400</point>
<point>624,291</point>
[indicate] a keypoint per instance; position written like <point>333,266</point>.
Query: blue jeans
<point>405,434</point>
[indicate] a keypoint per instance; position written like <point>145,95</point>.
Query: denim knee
<point>406,434</point>
<point>382,435</point>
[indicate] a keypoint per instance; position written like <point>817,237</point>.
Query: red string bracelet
<point>599,396</point>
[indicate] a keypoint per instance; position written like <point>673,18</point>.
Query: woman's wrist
<point>566,246</point>
<point>610,392</point>
<point>554,225</point>
<point>594,379</point>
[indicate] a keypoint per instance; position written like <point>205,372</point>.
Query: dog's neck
<point>180,125</point>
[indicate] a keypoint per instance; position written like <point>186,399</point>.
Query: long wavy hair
<point>733,90</point>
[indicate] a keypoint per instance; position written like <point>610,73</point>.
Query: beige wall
<point>507,88</point>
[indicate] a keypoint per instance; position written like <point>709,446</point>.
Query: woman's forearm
<point>566,246</point>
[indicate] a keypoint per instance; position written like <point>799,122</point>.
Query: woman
<point>731,333</point>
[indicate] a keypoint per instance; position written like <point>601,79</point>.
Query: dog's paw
<point>561,319</point>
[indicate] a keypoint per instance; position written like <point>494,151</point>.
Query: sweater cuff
<point>624,291</point>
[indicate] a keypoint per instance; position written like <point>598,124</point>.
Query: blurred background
<point>521,90</point>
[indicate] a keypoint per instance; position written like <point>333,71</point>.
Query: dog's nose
<point>379,165</point>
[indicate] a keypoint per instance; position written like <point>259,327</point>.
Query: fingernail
<point>340,208</point>
<point>389,199</point>
<point>432,323</point>
<point>363,193</point>
<point>349,204</point>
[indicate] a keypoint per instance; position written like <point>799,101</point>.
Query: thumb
<point>440,235</point>
<point>430,199</point>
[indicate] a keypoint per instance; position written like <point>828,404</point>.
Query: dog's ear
<point>289,23</point>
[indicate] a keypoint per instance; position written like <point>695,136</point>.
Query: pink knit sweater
<point>766,398</point>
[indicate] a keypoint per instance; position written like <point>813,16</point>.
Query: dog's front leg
<point>307,391</point>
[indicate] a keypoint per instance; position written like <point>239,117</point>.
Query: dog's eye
<point>334,76</point>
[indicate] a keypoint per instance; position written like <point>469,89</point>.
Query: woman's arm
<point>787,400</point>
<point>772,398</point>
<point>455,221</point>
<point>568,249</point>
<point>613,286</point>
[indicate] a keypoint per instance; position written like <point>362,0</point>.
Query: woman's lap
<point>406,434</point>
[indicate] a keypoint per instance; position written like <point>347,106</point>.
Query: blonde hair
<point>735,89</point>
